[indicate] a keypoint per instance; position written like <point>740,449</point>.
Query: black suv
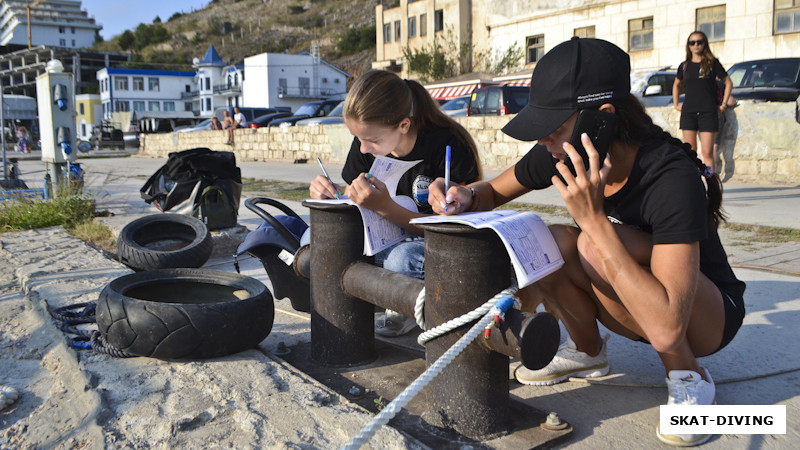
<point>772,80</point>
<point>498,100</point>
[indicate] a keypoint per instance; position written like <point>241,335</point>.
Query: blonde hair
<point>382,98</point>
<point>707,57</point>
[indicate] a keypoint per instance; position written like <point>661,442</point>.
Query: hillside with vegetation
<point>344,31</point>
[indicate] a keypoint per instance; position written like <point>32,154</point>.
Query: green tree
<point>126,40</point>
<point>355,40</point>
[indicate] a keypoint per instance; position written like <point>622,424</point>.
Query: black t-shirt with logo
<point>700,92</point>
<point>664,196</point>
<point>430,148</point>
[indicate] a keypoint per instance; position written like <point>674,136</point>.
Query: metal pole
<point>3,132</point>
<point>464,267</point>
<point>342,326</point>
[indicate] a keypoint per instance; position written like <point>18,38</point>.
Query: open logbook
<point>379,232</point>
<point>530,245</point>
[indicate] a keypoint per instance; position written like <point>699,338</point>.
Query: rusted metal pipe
<point>382,287</point>
<point>342,326</point>
<point>531,338</point>
<point>464,267</point>
<point>302,262</point>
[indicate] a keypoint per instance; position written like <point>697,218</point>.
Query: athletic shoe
<point>568,362</point>
<point>393,324</point>
<point>8,396</point>
<point>687,387</point>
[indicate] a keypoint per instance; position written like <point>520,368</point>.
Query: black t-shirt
<point>700,92</point>
<point>430,148</point>
<point>664,196</point>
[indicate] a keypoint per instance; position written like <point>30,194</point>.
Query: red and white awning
<point>448,93</point>
<point>517,82</point>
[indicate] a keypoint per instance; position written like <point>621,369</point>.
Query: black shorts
<point>700,121</point>
<point>734,316</point>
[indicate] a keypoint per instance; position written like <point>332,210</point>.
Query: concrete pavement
<point>620,410</point>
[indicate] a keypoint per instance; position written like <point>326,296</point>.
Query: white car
<point>457,107</point>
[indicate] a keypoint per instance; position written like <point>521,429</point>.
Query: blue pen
<point>446,173</point>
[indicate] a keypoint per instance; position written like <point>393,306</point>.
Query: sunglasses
<point>700,42</point>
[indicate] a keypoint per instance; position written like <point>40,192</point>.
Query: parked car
<point>308,110</point>
<point>653,87</point>
<point>771,80</point>
<point>263,121</point>
<point>498,100</point>
<point>204,125</point>
<point>335,116</point>
<point>251,113</point>
<point>457,107</point>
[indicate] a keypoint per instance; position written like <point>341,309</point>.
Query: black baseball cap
<point>576,74</point>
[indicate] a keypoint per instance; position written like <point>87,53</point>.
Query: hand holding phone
<point>600,126</point>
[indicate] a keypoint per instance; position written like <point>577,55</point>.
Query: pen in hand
<point>325,172</point>
<point>446,173</point>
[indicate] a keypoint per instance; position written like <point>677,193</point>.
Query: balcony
<point>306,93</point>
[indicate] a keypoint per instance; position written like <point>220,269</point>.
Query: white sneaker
<point>8,396</point>
<point>393,324</point>
<point>687,387</point>
<point>568,362</point>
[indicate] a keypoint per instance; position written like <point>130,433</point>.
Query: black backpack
<point>200,182</point>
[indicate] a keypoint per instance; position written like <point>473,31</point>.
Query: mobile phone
<point>600,126</point>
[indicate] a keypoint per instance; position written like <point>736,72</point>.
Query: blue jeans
<point>407,257</point>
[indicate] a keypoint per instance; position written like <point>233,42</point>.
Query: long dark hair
<point>636,127</point>
<point>707,57</point>
<point>381,97</point>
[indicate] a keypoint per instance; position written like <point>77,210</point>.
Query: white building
<point>152,93</point>
<point>278,79</point>
<point>218,84</point>
<point>54,23</point>
<point>653,32</point>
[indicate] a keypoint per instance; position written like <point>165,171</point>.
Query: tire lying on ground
<point>164,241</point>
<point>184,313</point>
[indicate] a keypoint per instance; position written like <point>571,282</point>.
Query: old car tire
<point>184,313</point>
<point>164,241</point>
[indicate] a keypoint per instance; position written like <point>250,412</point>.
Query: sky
<point>117,16</point>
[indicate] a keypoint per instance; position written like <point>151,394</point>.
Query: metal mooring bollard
<point>464,267</point>
<point>342,326</point>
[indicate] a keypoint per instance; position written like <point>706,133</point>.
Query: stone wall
<point>763,141</point>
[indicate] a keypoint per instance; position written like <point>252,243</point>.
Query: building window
<point>438,20</point>
<point>169,106</point>
<point>138,106</point>
<point>585,32</point>
<point>397,31</point>
<point>282,86</point>
<point>412,27</point>
<point>80,109</point>
<point>152,84</point>
<point>73,30</point>
<point>208,104</point>
<point>73,42</point>
<point>121,83</point>
<point>83,129</point>
<point>423,24</point>
<point>640,34</point>
<point>188,88</point>
<point>62,42</point>
<point>208,83</point>
<point>121,106</point>
<point>138,83</point>
<point>187,106</point>
<point>787,16</point>
<point>534,48</point>
<point>154,106</point>
<point>387,33</point>
<point>305,86</point>
<point>711,21</point>
<point>62,30</point>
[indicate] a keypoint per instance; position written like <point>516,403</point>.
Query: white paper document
<point>530,245</point>
<point>380,233</point>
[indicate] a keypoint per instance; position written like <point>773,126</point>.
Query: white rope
<point>471,316</point>
<point>430,373</point>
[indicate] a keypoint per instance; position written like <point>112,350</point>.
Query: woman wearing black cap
<point>645,259</point>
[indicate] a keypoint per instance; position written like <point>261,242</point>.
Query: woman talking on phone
<point>645,259</point>
<point>702,103</point>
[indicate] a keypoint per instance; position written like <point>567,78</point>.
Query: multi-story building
<point>278,79</point>
<point>653,32</point>
<point>54,23</point>
<point>87,114</point>
<point>217,84</point>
